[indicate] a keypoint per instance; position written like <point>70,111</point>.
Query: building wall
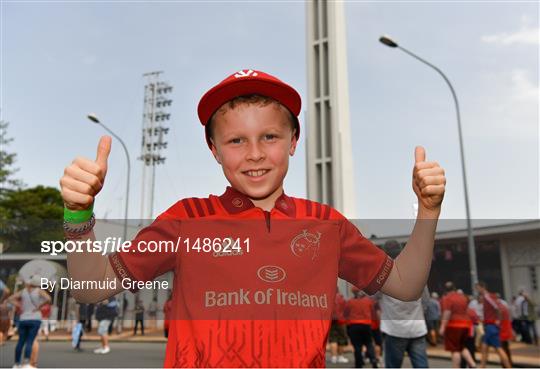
<point>522,264</point>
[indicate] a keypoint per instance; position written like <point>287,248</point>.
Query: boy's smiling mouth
<point>256,172</point>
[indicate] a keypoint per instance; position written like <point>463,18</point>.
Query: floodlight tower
<point>154,130</point>
<point>328,144</point>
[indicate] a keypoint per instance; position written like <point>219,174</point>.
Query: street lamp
<point>472,251</point>
<point>95,119</point>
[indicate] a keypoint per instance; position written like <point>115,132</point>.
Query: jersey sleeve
<point>361,262</point>
<point>152,251</point>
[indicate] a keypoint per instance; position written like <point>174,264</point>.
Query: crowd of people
<point>107,313</point>
<point>29,313</point>
<point>382,329</point>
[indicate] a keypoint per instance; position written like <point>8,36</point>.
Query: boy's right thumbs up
<point>84,178</point>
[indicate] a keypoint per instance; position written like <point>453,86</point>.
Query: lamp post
<point>95,119</point>
<point>471,248</point>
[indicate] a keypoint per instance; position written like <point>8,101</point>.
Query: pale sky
<point>62,60</point>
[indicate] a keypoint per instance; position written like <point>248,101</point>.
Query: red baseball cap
<point>248,82</point>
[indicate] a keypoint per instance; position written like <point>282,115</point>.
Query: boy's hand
<point>83,178</point>
<point>428,181</point>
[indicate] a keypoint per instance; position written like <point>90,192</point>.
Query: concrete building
<point>508,258</point>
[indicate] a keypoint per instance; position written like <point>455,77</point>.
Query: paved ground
<point>123,355</point>
<point>149,351</point>
<point>433,363</point>
<point>61,355</point>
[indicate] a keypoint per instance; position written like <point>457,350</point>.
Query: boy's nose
<point>255,152</point>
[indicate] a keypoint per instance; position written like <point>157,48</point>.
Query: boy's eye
<point>236,140</point>
<point>269,137</point>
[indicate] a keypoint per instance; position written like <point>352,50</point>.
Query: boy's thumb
<point>103,151</point>
<point>419,154</point>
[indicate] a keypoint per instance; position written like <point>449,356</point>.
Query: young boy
<point>262,294</point>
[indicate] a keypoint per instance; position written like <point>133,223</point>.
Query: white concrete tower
<point>329,166</point>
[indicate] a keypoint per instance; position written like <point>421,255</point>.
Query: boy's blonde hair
<point>253,99</point>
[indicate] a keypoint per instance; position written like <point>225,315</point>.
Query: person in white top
<point>403,324</point>
<point>29,300</point>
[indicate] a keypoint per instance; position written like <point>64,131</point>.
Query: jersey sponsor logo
<point>271,273</point>
<point>269,296</point>
<point>306,244</point>
<point>246,73</point>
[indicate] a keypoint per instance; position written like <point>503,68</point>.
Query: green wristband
<point>78,216</point>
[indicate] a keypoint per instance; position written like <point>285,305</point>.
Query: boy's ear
<point>294,142</point>
<point>214,151</point>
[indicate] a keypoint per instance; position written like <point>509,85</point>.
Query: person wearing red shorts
<point>254,269</point>
<point>455,325</point>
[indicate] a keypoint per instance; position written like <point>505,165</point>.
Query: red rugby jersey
<point>492,308</point>
<point>269,306</point>
<point>457,304</point>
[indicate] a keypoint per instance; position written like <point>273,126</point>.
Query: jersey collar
<point>236,202</point>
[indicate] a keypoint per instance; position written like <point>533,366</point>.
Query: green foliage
<point>27,216</point>
<point>30,216</point>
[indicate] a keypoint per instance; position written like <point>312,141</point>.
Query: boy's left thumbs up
<point>419,154</point>
<point>429,181</point>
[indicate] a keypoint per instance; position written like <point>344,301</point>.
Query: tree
<point>7,182</point>
<point>30,216</point>
<point>27,216</point>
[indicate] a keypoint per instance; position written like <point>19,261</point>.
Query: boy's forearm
<point>411,268</point>
<point>90,266</point>
<point>414,262</point>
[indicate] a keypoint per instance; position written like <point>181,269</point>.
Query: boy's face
<point>253,143</point>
